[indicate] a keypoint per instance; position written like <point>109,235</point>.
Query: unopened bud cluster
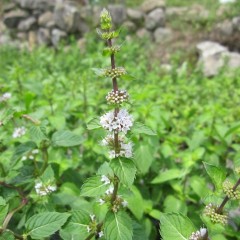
<point>114,73</point>
<point>113,49</point>
<point>198,235</point>
<point>119,203</point>
<point>106,20</point>
<point>211,211</point>
<point>228,190</point>
<point>117,97</point>
<point>237,170</point>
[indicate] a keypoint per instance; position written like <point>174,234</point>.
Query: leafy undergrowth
<point>196,120</point>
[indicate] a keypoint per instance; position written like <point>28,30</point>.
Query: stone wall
<point>47,22</point>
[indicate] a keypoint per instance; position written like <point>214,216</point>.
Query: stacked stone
<point>48,22</point>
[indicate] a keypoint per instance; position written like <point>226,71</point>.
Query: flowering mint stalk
<point>120,171</point>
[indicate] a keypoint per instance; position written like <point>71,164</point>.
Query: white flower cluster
<point>18,132</point>
<point>43,190</point>
<point>124,149</point>
<point>122,122</point>
<point>198,235</point>
<point>5,97</point>
<point>90,226</point>
<point>31,155</point>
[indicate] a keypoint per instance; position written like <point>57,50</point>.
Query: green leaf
<point>168,175</point>
<point>135,203</point>
<point>48,175</point>
<point>93,187</point>
<point>65,138</point>
<point>76,228</point>
<point>139,232</point>
<point>118,226</point>
<point>173,204</point>
<point>7,235</point>
<point>58,122</point>
<point>127,77</point>
<point>105,169</point>
<point>6,115</point>
<point>37,133</point>
<point>125,170</point>
<point>45,224</point>
<point>217,175</point>
<point>176,226</point>
<point>143,158</point>
<point>93,124</point>
<point>140,128</point>
<point>21,150</point>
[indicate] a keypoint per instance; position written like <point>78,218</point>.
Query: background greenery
<point>196,120</point>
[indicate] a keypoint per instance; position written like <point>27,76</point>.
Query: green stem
<point>45,159</point>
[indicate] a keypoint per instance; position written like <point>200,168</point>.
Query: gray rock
<point>144,33</point>
<point>214,56</point>
<point>67,17</point>
<point>44,36</point>
<point>135,16</point>
<point>130,26</point>
<point>149,5</point>
<point>45,18</point>
<point>225,28</point>
<point>36,4</point>
<point>27,24</point>
<point>155,19</point>
<point>118,14</point>
<point>233,60</point>
<point>83,27</point>
<point>162,34</point>
<point>23,36</point>
<point>236,24</point>
<point>12,19</point>
<point>57,36</point>
<point>9,7</point>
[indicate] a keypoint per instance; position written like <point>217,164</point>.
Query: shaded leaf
<point>45,224</point>
<point>65,138</point>
<point>93,187</point>
<point>118,226</point>
<point>125,170</point>
<point>176,226</point>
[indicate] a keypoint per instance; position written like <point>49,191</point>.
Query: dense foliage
<point>180,169</point>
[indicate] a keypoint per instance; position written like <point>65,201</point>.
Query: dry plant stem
<point>225,200</point>
<point>10,214</point>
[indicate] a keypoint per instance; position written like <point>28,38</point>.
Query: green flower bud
<point>228,190</point>
<point>211,211</point>
<point>237,170</point>
<point>106,20</point>
<point>114,73</point>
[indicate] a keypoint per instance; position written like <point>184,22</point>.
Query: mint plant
<point>214,216</point>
